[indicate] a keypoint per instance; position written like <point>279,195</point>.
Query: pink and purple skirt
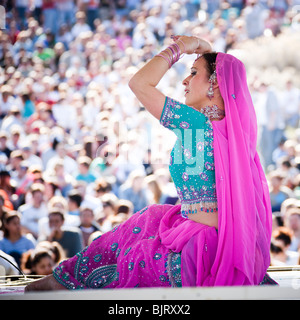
<point>156,247</point>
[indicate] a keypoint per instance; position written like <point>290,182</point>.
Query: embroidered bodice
<point>192,158</point>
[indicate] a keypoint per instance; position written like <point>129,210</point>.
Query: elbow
<point>133,84</point>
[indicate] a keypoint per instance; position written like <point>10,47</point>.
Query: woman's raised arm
<point>144,82</point>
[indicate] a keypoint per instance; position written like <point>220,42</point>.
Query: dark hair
<point>75,196</point>
<point>284,234</point>
<point>8,217</point>
<point>210,58</point>
<point>58,212</point>
<point>36,257</point>
<point>275,249</point>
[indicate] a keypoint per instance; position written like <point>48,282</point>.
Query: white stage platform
<point>216,293</point>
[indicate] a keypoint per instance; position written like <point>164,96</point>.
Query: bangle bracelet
<point>173,54</point>
<point>165,58</point>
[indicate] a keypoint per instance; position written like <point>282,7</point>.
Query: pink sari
<point>156,247</point>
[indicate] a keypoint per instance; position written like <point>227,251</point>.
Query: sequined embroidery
<point>174,269</point>
<point>192,167</point>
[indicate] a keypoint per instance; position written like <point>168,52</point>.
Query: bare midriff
<point>207,218</point>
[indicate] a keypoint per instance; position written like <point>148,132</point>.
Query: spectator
<point>39,262</point>
<point>290,101</point>
<point>87,224</point>
<point>3,144</point>
<point>124,207</point>
<point>63,179</point>
<point>271,119</point>
<point>156,195</point>
<point>278,192</point>
<point>102,187</point>
<point>43,53</point>
<point>84,173</point>
<point>13,242</point>
<point>65,12</point>
<point>31,158</point>
<point>80,25</point>
<point>254,17</point>
<point>70,238</point>
<point>73,215</point>
<point>13,118</point>
<point>49,15</point>
<point>103,217</point>
<point>282,256</point>
<point>134,190</point>
<point>55,202</point>
<point>293,223</point>
<point>6,100</point>
<point>54,248</point>
<point>33,210</point>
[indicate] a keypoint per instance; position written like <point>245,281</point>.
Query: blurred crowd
<point>79,154</point>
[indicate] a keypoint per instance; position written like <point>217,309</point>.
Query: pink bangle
<point>174,48</point>
<point>173,52</point>
<point>166,59</point>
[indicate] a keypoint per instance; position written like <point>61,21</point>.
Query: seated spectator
<point>13,118</point>
<point>43,225</point>
<point>33,210</point>
<point>134,190</point>
<point>72,217</point>
<point>56,250</point>
<point>43,53</point>
<point>124,207</point>
<point>13,242</point>
<point>293,223</point>
<point>109,203</point>
<point>38,262</point>
<point>80,25</point>
<point>83,167</point>
<point>281,254</point>
<point>102,186</point>
<point>62,178</point>
<point>278,192</point>
<point>155,193</point>
<point>87,224</point>
<point>70,238</point>
<point>3,144</point>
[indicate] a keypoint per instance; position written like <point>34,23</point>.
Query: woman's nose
<point>185,82</point>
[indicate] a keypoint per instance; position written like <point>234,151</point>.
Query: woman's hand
<point>190,45</point>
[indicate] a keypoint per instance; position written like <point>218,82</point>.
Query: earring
<point>212,80</point>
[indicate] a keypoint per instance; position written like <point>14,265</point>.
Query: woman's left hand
<point>191,44</point>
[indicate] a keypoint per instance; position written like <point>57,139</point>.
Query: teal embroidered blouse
<point>192,158</point>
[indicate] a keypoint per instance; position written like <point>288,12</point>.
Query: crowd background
<point>79,154</point>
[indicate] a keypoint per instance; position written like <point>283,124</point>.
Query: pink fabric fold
<point>245,216</point>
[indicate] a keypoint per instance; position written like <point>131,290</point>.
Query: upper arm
<point>151,98</point>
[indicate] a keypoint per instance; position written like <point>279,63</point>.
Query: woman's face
<point>196,85</point>
<point>44,267</point>
<point>14,226</point>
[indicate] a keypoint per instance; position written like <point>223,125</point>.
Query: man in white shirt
<point>80,25</point>
<point>34,210</point>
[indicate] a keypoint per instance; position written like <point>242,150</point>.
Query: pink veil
<point>245,219</point>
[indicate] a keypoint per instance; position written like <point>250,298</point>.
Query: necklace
<point>213,112</point>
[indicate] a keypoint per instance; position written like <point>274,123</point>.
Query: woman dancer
<point>219,234</point>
